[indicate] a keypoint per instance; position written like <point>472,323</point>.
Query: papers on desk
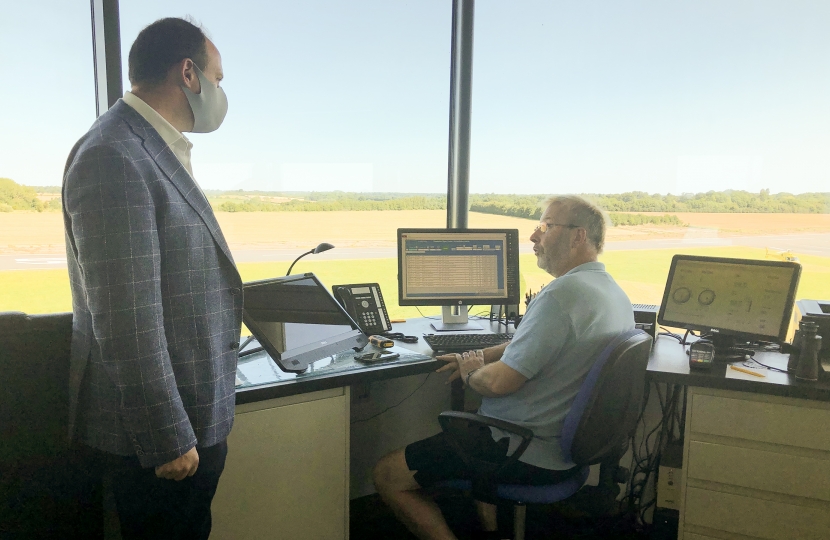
<point>758,374</point>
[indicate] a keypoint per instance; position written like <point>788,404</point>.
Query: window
<point>48,102</point>
<point>679,98</point>
<point>323,96</point>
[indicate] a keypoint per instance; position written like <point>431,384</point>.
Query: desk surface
<point>669,364</point>
<point>274,383</point>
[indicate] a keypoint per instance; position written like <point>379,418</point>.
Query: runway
<point>799,244</point>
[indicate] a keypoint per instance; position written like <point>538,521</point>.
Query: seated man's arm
<point>493,354</point>
<point>495,380</point>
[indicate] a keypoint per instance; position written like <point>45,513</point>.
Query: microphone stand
<point>325,246</point>
<point>309,252</point>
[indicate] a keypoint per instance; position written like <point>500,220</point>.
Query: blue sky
<point>578,96</point>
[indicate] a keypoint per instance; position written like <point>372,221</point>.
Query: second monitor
<point>733,301</point>
<point>456,268</point>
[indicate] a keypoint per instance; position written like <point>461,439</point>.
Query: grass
<point>642,274</point>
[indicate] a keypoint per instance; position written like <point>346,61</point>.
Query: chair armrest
<point>475,418</point>
<point>446,418</point>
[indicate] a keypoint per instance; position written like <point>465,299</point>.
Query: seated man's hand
<point>461,364</point>
<point>181,467</point>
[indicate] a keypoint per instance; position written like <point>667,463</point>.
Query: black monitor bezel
<point>513,293</point>
<point>748,336</point>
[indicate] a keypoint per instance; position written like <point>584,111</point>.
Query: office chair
<point>45,491</point>
<point>596,430</point>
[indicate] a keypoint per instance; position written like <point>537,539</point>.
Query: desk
<point>290,452</point>
<point>756,457</point>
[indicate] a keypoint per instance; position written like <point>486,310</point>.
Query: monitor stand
<point>727,348</point>
<point>454,319</point>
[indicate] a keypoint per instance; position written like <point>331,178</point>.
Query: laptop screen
<point>297,321</point>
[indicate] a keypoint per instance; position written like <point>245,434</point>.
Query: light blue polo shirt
<point>565,328</point>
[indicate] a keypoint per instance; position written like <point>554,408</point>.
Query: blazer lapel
<point>174,170</point>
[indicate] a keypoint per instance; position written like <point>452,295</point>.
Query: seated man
<point>531,381</point>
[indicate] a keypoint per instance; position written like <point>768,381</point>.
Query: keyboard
<point>464,342</point>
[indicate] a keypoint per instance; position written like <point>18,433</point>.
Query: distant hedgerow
<point>642,219</point>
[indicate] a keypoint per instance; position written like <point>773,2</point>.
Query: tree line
<point>729,201</point>
<point>13,197</point>
<point>329,205</point>
<point>17,197</point>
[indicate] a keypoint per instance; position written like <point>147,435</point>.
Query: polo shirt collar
<point>595,266</point>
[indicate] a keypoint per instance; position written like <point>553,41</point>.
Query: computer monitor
<point>456,268</point>
<point>730,299</point>
<point>297,321</point>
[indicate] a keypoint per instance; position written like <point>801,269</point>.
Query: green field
<point>641,274</point>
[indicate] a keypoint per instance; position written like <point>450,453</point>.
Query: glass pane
<point>324,96</point>
<point>48,102</point>
<point>677,100</point>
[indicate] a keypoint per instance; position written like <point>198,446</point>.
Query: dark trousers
<point>151,508</point>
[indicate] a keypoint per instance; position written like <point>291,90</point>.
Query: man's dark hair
<point>161,46</point>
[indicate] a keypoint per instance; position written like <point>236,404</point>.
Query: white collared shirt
<point>178,143</point>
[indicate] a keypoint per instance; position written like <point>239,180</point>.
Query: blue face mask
<point>209,106</point>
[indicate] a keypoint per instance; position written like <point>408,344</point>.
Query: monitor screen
<point>441,267</point>
<point>749,299</point>
<point>297,321</point>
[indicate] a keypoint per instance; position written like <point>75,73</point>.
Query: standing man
<point>156,297</point>
<point>532,381</point>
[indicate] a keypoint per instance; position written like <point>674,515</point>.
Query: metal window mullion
<point>106,53</point>
<point>461,87</point>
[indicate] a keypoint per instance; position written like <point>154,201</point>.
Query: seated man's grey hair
<point>584,213</point>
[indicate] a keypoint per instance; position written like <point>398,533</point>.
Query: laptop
<point>297,321</point>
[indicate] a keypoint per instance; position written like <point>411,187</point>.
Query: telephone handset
<point>364,302</point>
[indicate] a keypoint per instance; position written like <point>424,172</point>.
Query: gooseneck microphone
<point>325,246</point>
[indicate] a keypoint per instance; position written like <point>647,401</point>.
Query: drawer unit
<point>755,467</point>
<point>770,520</point>
<point>693,536</point>
<point>775,422</point>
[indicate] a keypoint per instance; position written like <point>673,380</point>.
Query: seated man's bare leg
<point>398,489</point>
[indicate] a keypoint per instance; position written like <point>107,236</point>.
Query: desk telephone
<point>364,302</point>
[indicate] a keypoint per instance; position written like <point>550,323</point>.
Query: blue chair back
<point>604,413</point>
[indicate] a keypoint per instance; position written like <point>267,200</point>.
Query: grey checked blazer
<point>156,297</point>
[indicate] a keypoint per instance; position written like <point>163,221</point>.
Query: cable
<point>396,404</point>
<point>247,341</point>
<point>672,335</point>
<point>434,318</point>
<point>666,332</point>
<point>771,368</point>
<point>250,352</point>
<point>646,454</point>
